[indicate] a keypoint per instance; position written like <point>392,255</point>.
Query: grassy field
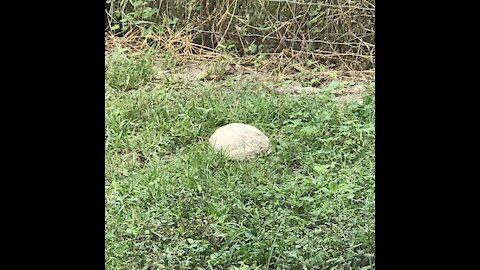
<point>172,203</point>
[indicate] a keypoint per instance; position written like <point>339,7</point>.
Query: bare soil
<point>349,88</point>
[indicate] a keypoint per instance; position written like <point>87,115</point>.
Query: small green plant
<point>252,48</point>
<point>126,71</point>
<point>258,61</point>
<point>225,48</point>
<point>244,267</point>
<point>127,14</point>
<point>334,75</point>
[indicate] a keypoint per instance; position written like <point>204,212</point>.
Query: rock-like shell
<point>240,141</point>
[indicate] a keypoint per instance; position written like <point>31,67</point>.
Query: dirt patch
<point>191,73</point>
<point>295,87</point>
<point>209,72</point>
<point>194,72</point>
<point>349,93</point>
<point>345,90</point>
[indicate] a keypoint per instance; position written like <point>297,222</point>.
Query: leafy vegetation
<point>332,32</point>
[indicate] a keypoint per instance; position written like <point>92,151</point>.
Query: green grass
<point>172,203</point>
<point>129,71</point>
